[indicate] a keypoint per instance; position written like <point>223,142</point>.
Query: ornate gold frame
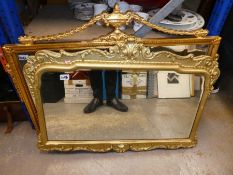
<point>115,50</point>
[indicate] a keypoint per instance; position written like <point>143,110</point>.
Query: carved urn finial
<point>116,8</point>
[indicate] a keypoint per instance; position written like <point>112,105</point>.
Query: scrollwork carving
<point>122,53</point>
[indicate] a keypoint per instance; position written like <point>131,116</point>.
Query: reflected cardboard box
<point>83,95</point>
<point>134,85</point>
<point>79,92</point>
<point>78,88</point>
<point>77,83</point>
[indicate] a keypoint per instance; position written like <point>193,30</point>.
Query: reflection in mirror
<point>161,105</point>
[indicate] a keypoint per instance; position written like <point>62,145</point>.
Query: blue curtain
<point>3,35</point>
<point>10,29</point>
<point>10,25</point>
<point>218,16</point>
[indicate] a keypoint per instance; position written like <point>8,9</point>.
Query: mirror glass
<point>161,104</point>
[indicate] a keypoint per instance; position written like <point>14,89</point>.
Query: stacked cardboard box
<point>78,88</point>
<point>134,85</point>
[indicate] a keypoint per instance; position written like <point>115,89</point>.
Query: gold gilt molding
<point>12,71</point>
<point>14,79</point>
<point>117,147</point>
<point>130,54</point>
<point>116,20</point>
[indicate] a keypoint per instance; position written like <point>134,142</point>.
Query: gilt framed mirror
<point>165,83</point>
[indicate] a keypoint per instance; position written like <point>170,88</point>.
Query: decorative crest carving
<point>116,20</point>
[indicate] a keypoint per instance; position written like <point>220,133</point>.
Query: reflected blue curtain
<point>218,16</point>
